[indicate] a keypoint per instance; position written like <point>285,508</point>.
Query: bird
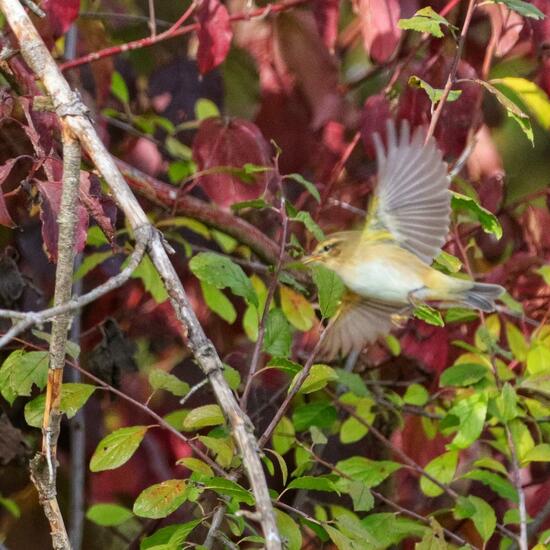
<point>386,266</point>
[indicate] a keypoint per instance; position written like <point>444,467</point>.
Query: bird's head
<point>333,250</point>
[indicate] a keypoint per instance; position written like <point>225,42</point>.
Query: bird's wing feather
<point>412,198</point>
<point>358,322</point>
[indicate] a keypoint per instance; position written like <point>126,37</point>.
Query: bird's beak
<point>310,259</point>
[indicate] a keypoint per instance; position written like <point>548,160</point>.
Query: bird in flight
<point>386,266</point>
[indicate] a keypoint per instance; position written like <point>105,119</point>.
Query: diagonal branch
<point>70,108</point>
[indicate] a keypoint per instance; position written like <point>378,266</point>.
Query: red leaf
<point>311,64</point>
<point>50,193</point>
<point>214,34</point>
<point>230,143</point>
<point>5,169</point>
<point>376,112</point>
<point>102,209</point>
<point>61,14</point>
<point>326,14</point>
<point>506,24</point>
<point>379,27</point>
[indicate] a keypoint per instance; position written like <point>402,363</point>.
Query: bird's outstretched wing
<point>358,322</point>
<point>412,199</point>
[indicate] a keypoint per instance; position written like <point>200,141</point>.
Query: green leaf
<point>479,512</point>
<point>370,472</point>
<point>330,289</point>
<point>228,488</point>
<point>20,371</point>
<point>201,417</point>
<point>538,359</point>
<point>362,498</point>
<point>352,428</point>
<point>523,8</point>
<point>73,398</point>
<point>512,109</point>
<point>463,374</point>
<point>424,20</point>
<point>443,469</point>
<point>161,499</point>
<point>428,315</point>
<point>232,377</point>
<point>471,412</point>
<point>544,272</point>
<point>253,203</point>
<point>319,376</point>
<point>497,483</point>
<point>223,447</point>
<point>297,308</point>
<point>341,541</point>
<point>218,302</point>
<point>448,262</point>
<point>416,394</point>
<point>390,529</point>
<point>491,464</point>
<point>506,404</point>
<point>539,453</point>
<point>108,515</point>
<point>196,465</point>
<point>119,88</point>
<point>11,506</point>
<point>117,448</point>
<point>488,220</point>
<point>189,223</point>
<point>170,537</point>
<point>91,261</point>
<point>516,341</point>
<point>289,531</point>
<point>151,280</point>
<point>283,436</point>
<point>162,380</point>
<point>435,94</point>
<point>206,108</point>
<point>285,365</point>
<point>528,93</point>
<point>278,336</point>
<point>305,218</point>
<point>313,483</point>
<point>221,272</point>
<point>353,381</point>
<point>434,539</point>
<point>523,440</point>
<point>309,186</point>
<point>322,415</point>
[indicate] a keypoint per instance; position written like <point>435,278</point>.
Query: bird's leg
<point>414,299</point>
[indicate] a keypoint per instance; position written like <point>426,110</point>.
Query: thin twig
<point>30,318</point>
<point>175,30</point>
<point>297,384</point>
<point>254,362</point>
<point>452,73</point>
<point>152,20</point>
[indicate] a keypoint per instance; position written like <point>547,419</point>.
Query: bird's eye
<point>327,248</point>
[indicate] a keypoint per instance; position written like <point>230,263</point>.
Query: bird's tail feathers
<point>482,296</point>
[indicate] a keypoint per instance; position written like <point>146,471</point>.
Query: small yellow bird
<point>386,266</point>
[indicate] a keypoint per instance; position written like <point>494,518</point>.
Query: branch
<point>165,195</point>
<point>270,294</point>
<point>297,384</point>
<point>70,108</point>
<point>29,318</point>
<point>47,459</point>
<point>454,67</point>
